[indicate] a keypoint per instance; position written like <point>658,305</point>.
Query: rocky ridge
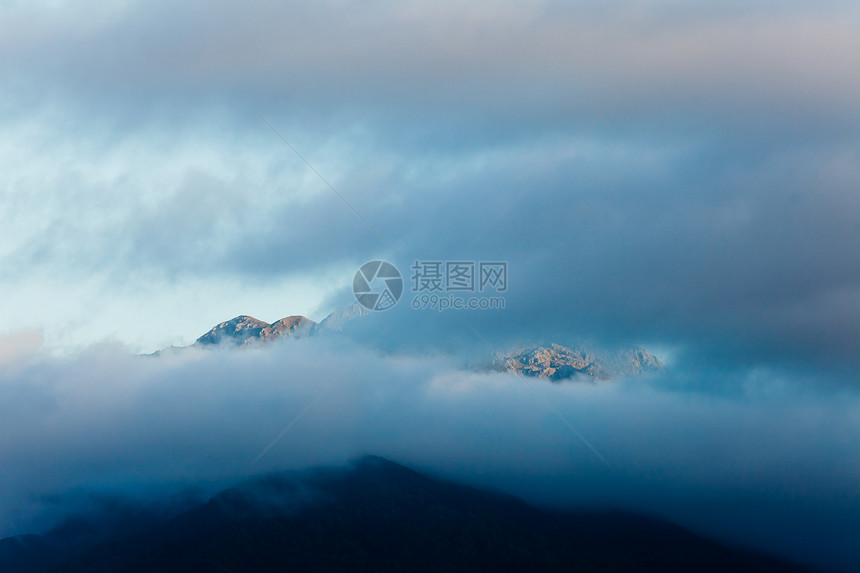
<point>554,362</point>
<point>246,330</point>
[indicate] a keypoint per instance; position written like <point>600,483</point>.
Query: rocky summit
<point>246,330</point>
<point>557,362</point>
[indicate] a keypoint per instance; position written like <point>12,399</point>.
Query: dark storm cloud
<point>749,263</point>
<point>772,464</point>
<point>708,197</point>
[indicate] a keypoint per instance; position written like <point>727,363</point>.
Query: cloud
<point>386,53</point>
<point>681,175</point>
<point>19,346</point>
<point>677,176</point>
<point>770,462</point>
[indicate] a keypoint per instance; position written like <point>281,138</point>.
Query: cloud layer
<point>772,464</point>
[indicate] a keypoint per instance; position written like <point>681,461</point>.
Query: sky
<point>661,172</point>
<point>681,176</point>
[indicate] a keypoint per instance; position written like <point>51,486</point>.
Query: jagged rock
<point>245,330</point>
<point>291,326</point>
<point>557,362</point>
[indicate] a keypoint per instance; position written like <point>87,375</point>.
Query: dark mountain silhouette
<point>376,516</point>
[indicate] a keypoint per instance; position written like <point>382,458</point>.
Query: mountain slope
<point>380,516</point>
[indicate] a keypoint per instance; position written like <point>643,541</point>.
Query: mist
<point>761,459</point>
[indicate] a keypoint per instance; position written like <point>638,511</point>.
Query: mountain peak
<point>557,362</point>
<point>244,330</point>
<point>553,361</point>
